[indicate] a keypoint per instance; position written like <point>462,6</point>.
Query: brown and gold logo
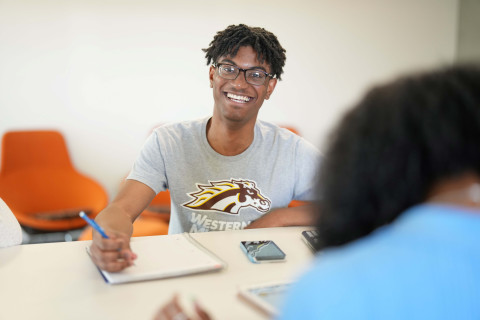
<point>228,197</point>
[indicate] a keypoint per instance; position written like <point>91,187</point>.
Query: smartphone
<point>262,251</point>
<point>311,238</point>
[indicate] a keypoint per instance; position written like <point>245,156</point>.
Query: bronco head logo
<point>228,197</point>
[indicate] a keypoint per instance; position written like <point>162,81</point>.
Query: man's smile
<point>238,98</point>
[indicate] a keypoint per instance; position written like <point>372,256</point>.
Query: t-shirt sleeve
<point>308,160</point>
<point>149,167</point>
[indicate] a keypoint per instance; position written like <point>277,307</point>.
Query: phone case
<point>262,251</point>
<point>311,238</point>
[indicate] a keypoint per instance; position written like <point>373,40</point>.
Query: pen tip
<point>82,214</point>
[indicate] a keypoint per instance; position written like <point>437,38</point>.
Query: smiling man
<point>225,172</point>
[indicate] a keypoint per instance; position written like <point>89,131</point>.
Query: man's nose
<point>240,81</point>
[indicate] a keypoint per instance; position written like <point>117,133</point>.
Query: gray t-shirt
<point>212,192</point>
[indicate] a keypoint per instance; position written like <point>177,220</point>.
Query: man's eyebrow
<point>234,64</point>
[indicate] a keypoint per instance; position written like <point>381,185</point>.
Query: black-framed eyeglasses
<point>253,76</point>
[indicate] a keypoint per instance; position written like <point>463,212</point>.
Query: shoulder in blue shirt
<point>422,266</point>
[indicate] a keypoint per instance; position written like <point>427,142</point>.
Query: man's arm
<point>304,215</point>
<point>117,219</point>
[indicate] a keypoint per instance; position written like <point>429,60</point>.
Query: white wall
<point>468,38</point>
<point>105,72</point>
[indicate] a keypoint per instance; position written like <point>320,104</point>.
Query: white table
<point>59,281</point>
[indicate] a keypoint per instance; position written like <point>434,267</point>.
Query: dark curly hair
<point>389,151</point>
<point>265,44</point>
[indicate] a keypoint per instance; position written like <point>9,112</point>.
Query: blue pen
<point>93,224</point>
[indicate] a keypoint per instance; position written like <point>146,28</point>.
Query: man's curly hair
<point>265,44</point>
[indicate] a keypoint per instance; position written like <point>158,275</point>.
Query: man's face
<point>236,100</point>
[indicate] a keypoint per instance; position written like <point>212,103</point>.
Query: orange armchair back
<point>40,184</point>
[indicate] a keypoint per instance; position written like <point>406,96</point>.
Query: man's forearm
<point>296,216</point>
<point>114,218</point>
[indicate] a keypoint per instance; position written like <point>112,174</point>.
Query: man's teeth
<point>238,98</point>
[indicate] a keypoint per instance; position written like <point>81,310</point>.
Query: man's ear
<point>211,73</point>
<point>270,87</point>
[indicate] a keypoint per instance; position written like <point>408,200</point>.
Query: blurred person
<point>225,172</point>
<point>400,220</point>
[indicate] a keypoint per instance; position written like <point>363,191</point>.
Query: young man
<point>225,172</point>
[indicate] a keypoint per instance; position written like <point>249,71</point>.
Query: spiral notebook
<point>166,257</point>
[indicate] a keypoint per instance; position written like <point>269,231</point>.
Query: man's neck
<point>229,139</point>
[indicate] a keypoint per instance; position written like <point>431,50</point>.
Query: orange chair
<point>297,203</point>
<point>294,130</point>
<point>40,184</point>
<point>159,207</point>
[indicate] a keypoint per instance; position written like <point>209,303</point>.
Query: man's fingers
<point>114,242</point>
<point>106,255</point>
<point>114,266</point>
<point>127,254</point>
<point>111,261</point>
<point>112,254</point>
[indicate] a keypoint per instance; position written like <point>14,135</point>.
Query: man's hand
<point>112,254</point>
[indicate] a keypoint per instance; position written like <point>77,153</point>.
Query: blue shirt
<point>425,265</point>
